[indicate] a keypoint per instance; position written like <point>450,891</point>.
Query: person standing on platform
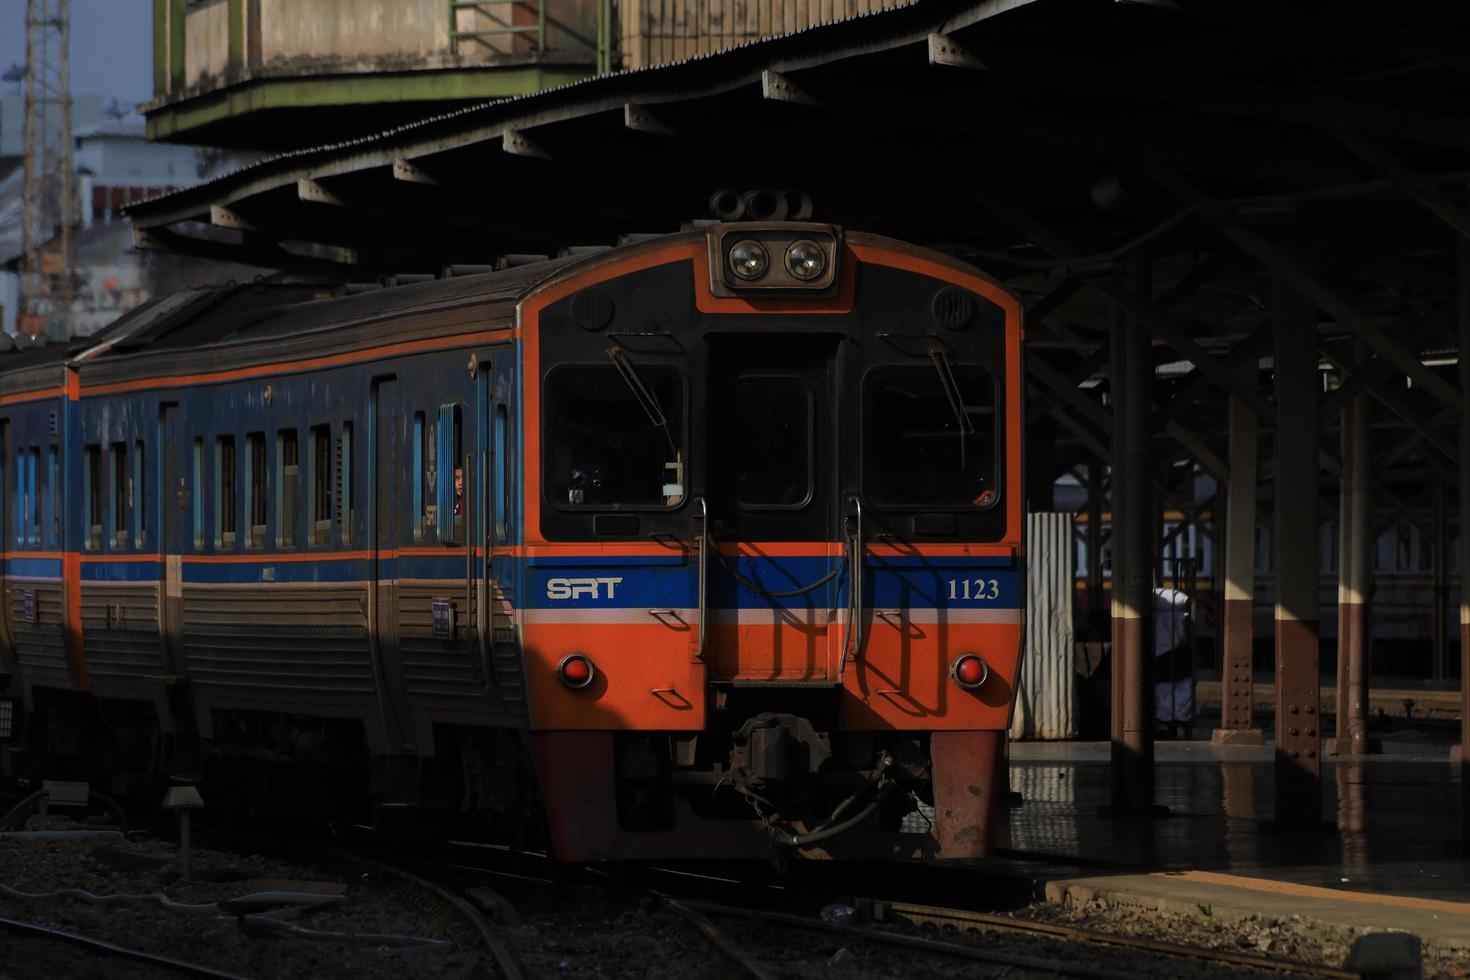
<point>1173,663</point>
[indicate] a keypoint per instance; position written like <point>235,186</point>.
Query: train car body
<point>688,560</point>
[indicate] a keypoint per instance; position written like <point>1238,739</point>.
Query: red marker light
<point>969,671</point>
<point>576,671</point>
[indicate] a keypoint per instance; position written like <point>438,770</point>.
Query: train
<point>702,546</point>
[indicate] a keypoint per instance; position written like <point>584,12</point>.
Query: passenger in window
<point>459,491</point>
<point>584,479</point>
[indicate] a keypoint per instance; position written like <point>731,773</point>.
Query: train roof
<point>220,320</point>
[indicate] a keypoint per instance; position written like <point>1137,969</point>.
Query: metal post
<point>1298,715</point>
<point>1440,668</point>
<point>1237,679</point>
<point>1353,702</point>
<point>1464,488</point>
<point>1134,538</point>
<point>184,844</point>
<point>1339,743</point>
<point>1094,537</point>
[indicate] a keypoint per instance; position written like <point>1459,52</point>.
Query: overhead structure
<point>49,209</point>
<point>1228,179</point>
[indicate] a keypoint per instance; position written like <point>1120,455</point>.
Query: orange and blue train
<point>708,545</point>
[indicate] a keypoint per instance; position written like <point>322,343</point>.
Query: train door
<point>171,517</point>
<point>389,434</point>
<point>774,510</point>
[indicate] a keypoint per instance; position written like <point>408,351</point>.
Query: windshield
<point>917,452</point>
<point>602,448</point>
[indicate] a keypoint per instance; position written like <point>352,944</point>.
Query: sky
<point>111,46</point>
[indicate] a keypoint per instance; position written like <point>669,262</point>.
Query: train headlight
<point>969,671</point>
<point>576,671</point>
<point>749,259</point>
<point>806,260</point>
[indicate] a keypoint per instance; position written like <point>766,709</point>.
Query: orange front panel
<point>796,647</point>
<point>902,680</point>
<point>646,677</point>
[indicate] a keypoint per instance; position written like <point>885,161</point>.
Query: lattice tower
<point>48,282</point>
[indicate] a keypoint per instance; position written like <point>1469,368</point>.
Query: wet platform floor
<point>1391,822</point>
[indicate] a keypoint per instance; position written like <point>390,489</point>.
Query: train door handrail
<point>852,636</point>
<point>701,601</point>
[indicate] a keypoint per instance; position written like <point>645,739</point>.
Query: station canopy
<point>1054,143</point>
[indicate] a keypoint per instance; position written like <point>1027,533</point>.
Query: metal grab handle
<point>852,638</point>
<point>703,573</point>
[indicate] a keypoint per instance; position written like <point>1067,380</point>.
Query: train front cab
<point>839,655</point>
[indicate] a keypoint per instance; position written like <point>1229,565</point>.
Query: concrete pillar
<point>1298,694</point>
<point>1134,538</point>
<point>1237,717</point>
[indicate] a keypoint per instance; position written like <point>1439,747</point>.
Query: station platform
<point>1387,855</point>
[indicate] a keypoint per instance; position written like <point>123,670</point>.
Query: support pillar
<point>1360,586</point>
<point>1440,668</point>
<point>1237,680</point>
<point>1355,580</point>
<point>1464,488</point>
<point>1133,541</point>
<point>1094,538</point>
<point>1298,694</point>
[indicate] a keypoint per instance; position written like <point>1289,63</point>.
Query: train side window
<point>346,499</point>
<point>20,496</point>
<point>450,503</point>
<point>420,471</point>
<point>255,483</point>
<point>319,475</point>
<point>53,477</point>
<point>224,492</point>
<point>92,491</point>
<point>502,475</point>
<point>288,482</point>
<point>137,491</point>
<point>35,488</point>
<point>198,495</point>
<point>120,508</point>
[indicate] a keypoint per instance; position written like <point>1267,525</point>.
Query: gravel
<point>375,903</point>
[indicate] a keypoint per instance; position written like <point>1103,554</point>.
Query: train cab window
<point>197,510</point>
<point>288,482</point>
<point>930,436</point>
<point>120,504</point>
<point>255,483</point>
<point>224,492</point>
<point>319,466</point>
<point>53,482</point>
<point>502,475</point>
<point>92,492</point>
<point>775,443</point>
<point>20,497</point>
<point>450,501</point>
<point>136,493</point>
<point>346,490</point>
<point>613,439</point>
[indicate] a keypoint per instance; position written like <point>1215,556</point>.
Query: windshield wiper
<point>951,388</point>
<point>646,398</point>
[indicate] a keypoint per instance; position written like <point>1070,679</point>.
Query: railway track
<point>1051,948</point>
